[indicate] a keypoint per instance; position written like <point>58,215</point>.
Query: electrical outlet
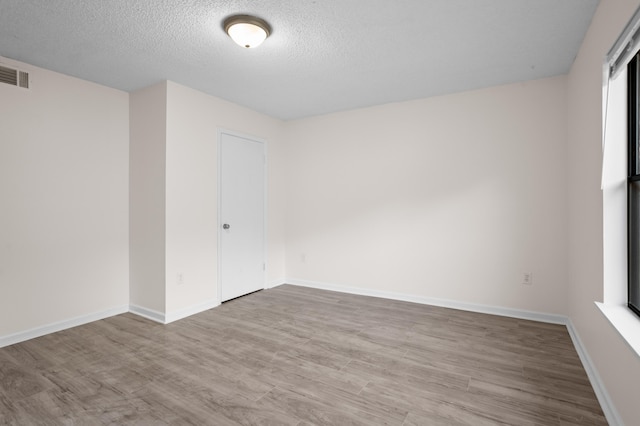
<point>179,279</point>
<point>527,278</point>
<point>303,257</point>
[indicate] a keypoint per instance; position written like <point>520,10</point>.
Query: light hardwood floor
<point>299,356</point>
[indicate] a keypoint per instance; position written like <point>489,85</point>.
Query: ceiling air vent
<point>14,77</point>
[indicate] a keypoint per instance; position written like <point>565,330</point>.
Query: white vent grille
<point>23,79</point>
<point>14,77</point>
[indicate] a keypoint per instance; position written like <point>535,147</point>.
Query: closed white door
<point>241,220</point>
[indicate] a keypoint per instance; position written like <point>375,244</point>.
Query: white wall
<point>174,199</point>
<point>452,197</point>
<point>64,215</point>
<point>617,365</point>
<point>147,218</point>
<point>193,120</point>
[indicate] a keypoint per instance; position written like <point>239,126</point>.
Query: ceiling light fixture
<point>248,31</point>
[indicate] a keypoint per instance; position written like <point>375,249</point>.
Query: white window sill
<point>626,322</point>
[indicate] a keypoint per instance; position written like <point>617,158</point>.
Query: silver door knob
<point>226,226</point>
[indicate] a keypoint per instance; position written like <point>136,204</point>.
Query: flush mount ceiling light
<point>248,31</point>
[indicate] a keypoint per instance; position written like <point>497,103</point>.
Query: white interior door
<point>241,219</point>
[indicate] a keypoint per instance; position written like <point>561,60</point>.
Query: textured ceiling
<point>323,55</point>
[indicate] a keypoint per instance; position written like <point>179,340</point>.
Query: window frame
<point>633,185</point>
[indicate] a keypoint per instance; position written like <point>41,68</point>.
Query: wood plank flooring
<point>299,356</point>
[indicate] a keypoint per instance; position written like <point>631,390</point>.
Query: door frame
<point>220,132</point>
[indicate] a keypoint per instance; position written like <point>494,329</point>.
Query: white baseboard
<point>604,399</point>
<point>156,316</point>
<point>147,313</point>
<point>22,336</point>
<point>163,318</point>
<point>445,303</point>
<point>191,310</point>
<point>276,283</point>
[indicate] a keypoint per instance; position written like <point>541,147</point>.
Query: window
<point>621,184</point>
<point>633,185</point>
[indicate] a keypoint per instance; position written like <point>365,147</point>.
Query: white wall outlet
<point>180,279</point>
<point>527,278</point>
<point>303,257</point>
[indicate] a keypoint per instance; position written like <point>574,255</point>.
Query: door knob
<point>226,226</point>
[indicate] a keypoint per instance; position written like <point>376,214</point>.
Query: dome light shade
<point>247,31</point>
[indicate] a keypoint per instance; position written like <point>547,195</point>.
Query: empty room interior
<point>388,212</point>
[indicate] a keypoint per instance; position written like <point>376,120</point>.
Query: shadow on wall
<point>392,199</point>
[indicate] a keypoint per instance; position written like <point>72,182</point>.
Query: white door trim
<point>264,143</point>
